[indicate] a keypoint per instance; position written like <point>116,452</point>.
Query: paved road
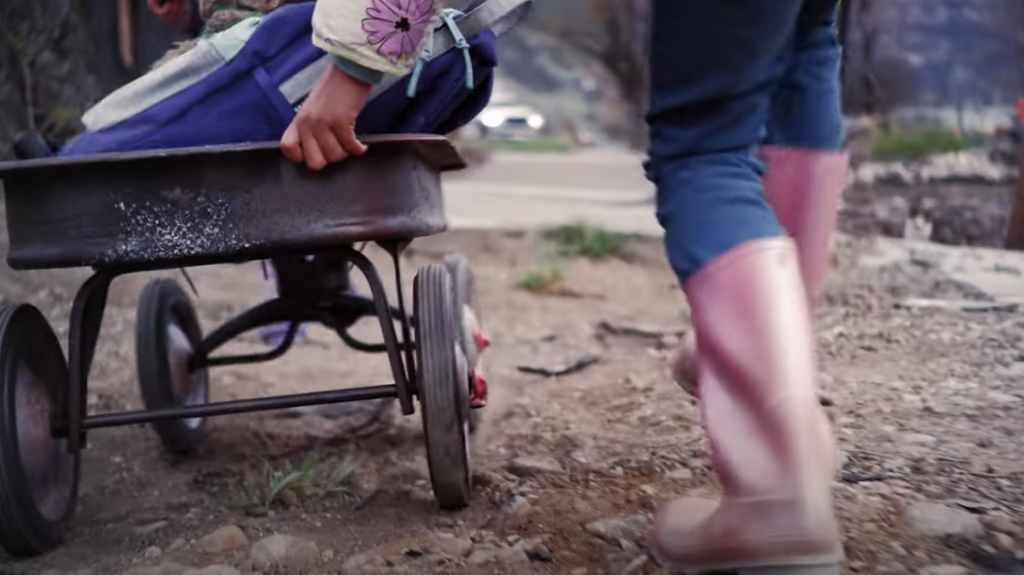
<point>607,188</point>
<point>530,191</point>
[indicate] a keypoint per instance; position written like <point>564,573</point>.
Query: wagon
<point>135,212</point>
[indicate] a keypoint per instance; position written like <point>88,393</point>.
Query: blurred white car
<point>510,121</point>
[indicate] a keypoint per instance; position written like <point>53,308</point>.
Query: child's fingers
<point>329,145</point>
<point>291,144</point>
<point>348,138</point>
<point>311,150</point>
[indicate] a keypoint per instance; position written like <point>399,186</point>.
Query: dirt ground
<point>926,405</point>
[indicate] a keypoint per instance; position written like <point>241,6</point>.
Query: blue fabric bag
<point>242,87</point>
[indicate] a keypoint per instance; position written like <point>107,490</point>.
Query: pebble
<point>936,520</point>
<point>175,545</point>
<point>150,528</point>
<point>228,538</point>
<point>362,563</point>
<point>214,570</point>
<point>534,465</point>
<point>283,552</point>
<point>458,547</point>
<point>680,474</point>
<point>944,570</point>
<point>151,552</point>
<point>327,556</point>
<point>168,568</point>
<point>1000,523</point>
<point>614,530</point>
<point>485,554</point>
<point>1004,541</point>
<point>919,439</point>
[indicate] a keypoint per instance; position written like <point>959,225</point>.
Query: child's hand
<point>324,129</point>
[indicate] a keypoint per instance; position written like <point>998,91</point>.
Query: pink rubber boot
<point>804,188</point>
<point>768,434</point>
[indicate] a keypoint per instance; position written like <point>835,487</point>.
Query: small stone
<point>283,552</point>
<point>635,566</point>
<point>1000,523</point>
<point>363,562</point>
<point>214,570</point>
<point>539,552</point>
<point>290,499</point>
<point>171,568</point>
<point>458,547</point>
<point>680,474</point>
<point>327,556</point>
<point>935,520</point>
<point>484,554</point>
<point>136,571</point>
<point>944,570</point>
<point>620,528</point>
<point>919,439</point>
<point>175,545</point>
<point>151,552</point>
<point>150,528</point>
<point>1004,541</point>
<point>532,465</point>
<point>257,511</point>
<point>229,538</point>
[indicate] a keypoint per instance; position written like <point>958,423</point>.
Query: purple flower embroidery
<point>397,27</point>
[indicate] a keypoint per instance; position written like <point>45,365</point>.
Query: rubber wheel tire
<point>443,395</point>
<point>37,494</point>
<point>164,307</point>
<point>465,295</point>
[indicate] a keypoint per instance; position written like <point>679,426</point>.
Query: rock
<point>290,499</point>
<point>536,551</point>
<point>1000,523</point>
<point>1004,542</point>
<point>283,552</point>
<point>171,568</point>
<point>485,554</point>
<point>458,547</point>
<point>935,520</point>
<point>362,563</point>
<point>614,530</point>
<point>214,570</point>
<point>327,556</point>
<point>534,465</point>
<point>944,570</point>
<point>168,568</point>
<point>229,538</point>
<point>919,439</point>
<point>680,474</point>
<point>150,528</point>
<point>151,552</point>
<point>175,545</point>
<point>136,571</point>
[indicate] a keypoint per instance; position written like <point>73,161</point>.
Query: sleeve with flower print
<point>383,35</point>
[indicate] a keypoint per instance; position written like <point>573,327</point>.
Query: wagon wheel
<point>166,334</point>
<point>465,297</point>
<point>38,476</point>
<point>442,389</point>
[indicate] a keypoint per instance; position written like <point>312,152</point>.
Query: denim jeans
<point>727,76</point>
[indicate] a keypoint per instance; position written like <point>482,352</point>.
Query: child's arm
<point>373,37</point>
